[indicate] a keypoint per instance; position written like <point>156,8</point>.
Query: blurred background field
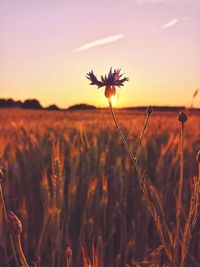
<point>71,182</point>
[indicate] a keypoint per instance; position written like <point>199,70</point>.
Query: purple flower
<point>114,78</point>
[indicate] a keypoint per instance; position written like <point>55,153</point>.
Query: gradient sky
<point>44,50</point>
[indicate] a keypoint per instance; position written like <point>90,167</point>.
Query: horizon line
<point>17,102</point>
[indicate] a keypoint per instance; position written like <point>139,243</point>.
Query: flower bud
<point>68,253</point>
<point>149,110</point>
<point>110,91</point>
<point>182,117</point>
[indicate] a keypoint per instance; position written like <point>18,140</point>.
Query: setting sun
<point>113,99</point>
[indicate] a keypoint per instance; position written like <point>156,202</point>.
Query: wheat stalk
<point>2,175</point>
<point>192,216</point>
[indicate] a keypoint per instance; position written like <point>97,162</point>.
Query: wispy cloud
<point>173,22</point>
<point>169,24</point>
<point>99,42</point>
<point>156,1</point>
<point>165,2</point>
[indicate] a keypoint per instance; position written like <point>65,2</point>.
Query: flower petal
<point>94,81</point>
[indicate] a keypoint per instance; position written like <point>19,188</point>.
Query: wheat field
<point>72,184</point>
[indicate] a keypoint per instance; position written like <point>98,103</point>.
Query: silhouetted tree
<point>9,103</point>
<point>81,107</point>
<point>31,104</point>
<point>53,107</point>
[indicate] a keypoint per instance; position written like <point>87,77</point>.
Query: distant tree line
<point>35,104</point>
<point>27,104</point>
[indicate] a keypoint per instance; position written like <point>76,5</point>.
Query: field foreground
<point>71,183</point>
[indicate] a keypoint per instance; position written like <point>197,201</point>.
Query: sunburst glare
<point>113,99</point>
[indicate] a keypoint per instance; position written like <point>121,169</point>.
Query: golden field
<point>71,183</point>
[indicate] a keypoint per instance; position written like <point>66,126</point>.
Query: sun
<point>112,99</point>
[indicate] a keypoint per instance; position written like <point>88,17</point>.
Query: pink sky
<point>155,42</point>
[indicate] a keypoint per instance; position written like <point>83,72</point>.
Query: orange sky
<point>47,47</point>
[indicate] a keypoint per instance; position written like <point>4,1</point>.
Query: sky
<point>48,46</point>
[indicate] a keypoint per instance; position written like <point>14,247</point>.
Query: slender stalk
<point>68,254</point>
<point>68,262</point>
<point>191,220</point>
<point>3,203</point>
<point>179,203</point>
<point>121,134</point>
<point>6,219</point>
<point>139,145</point>
<point>187,231</point>
<point>17,241</point>
<point>154,213</point>
<point>15,228</point>
<point>197,198</point>
<point>42,238</point>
